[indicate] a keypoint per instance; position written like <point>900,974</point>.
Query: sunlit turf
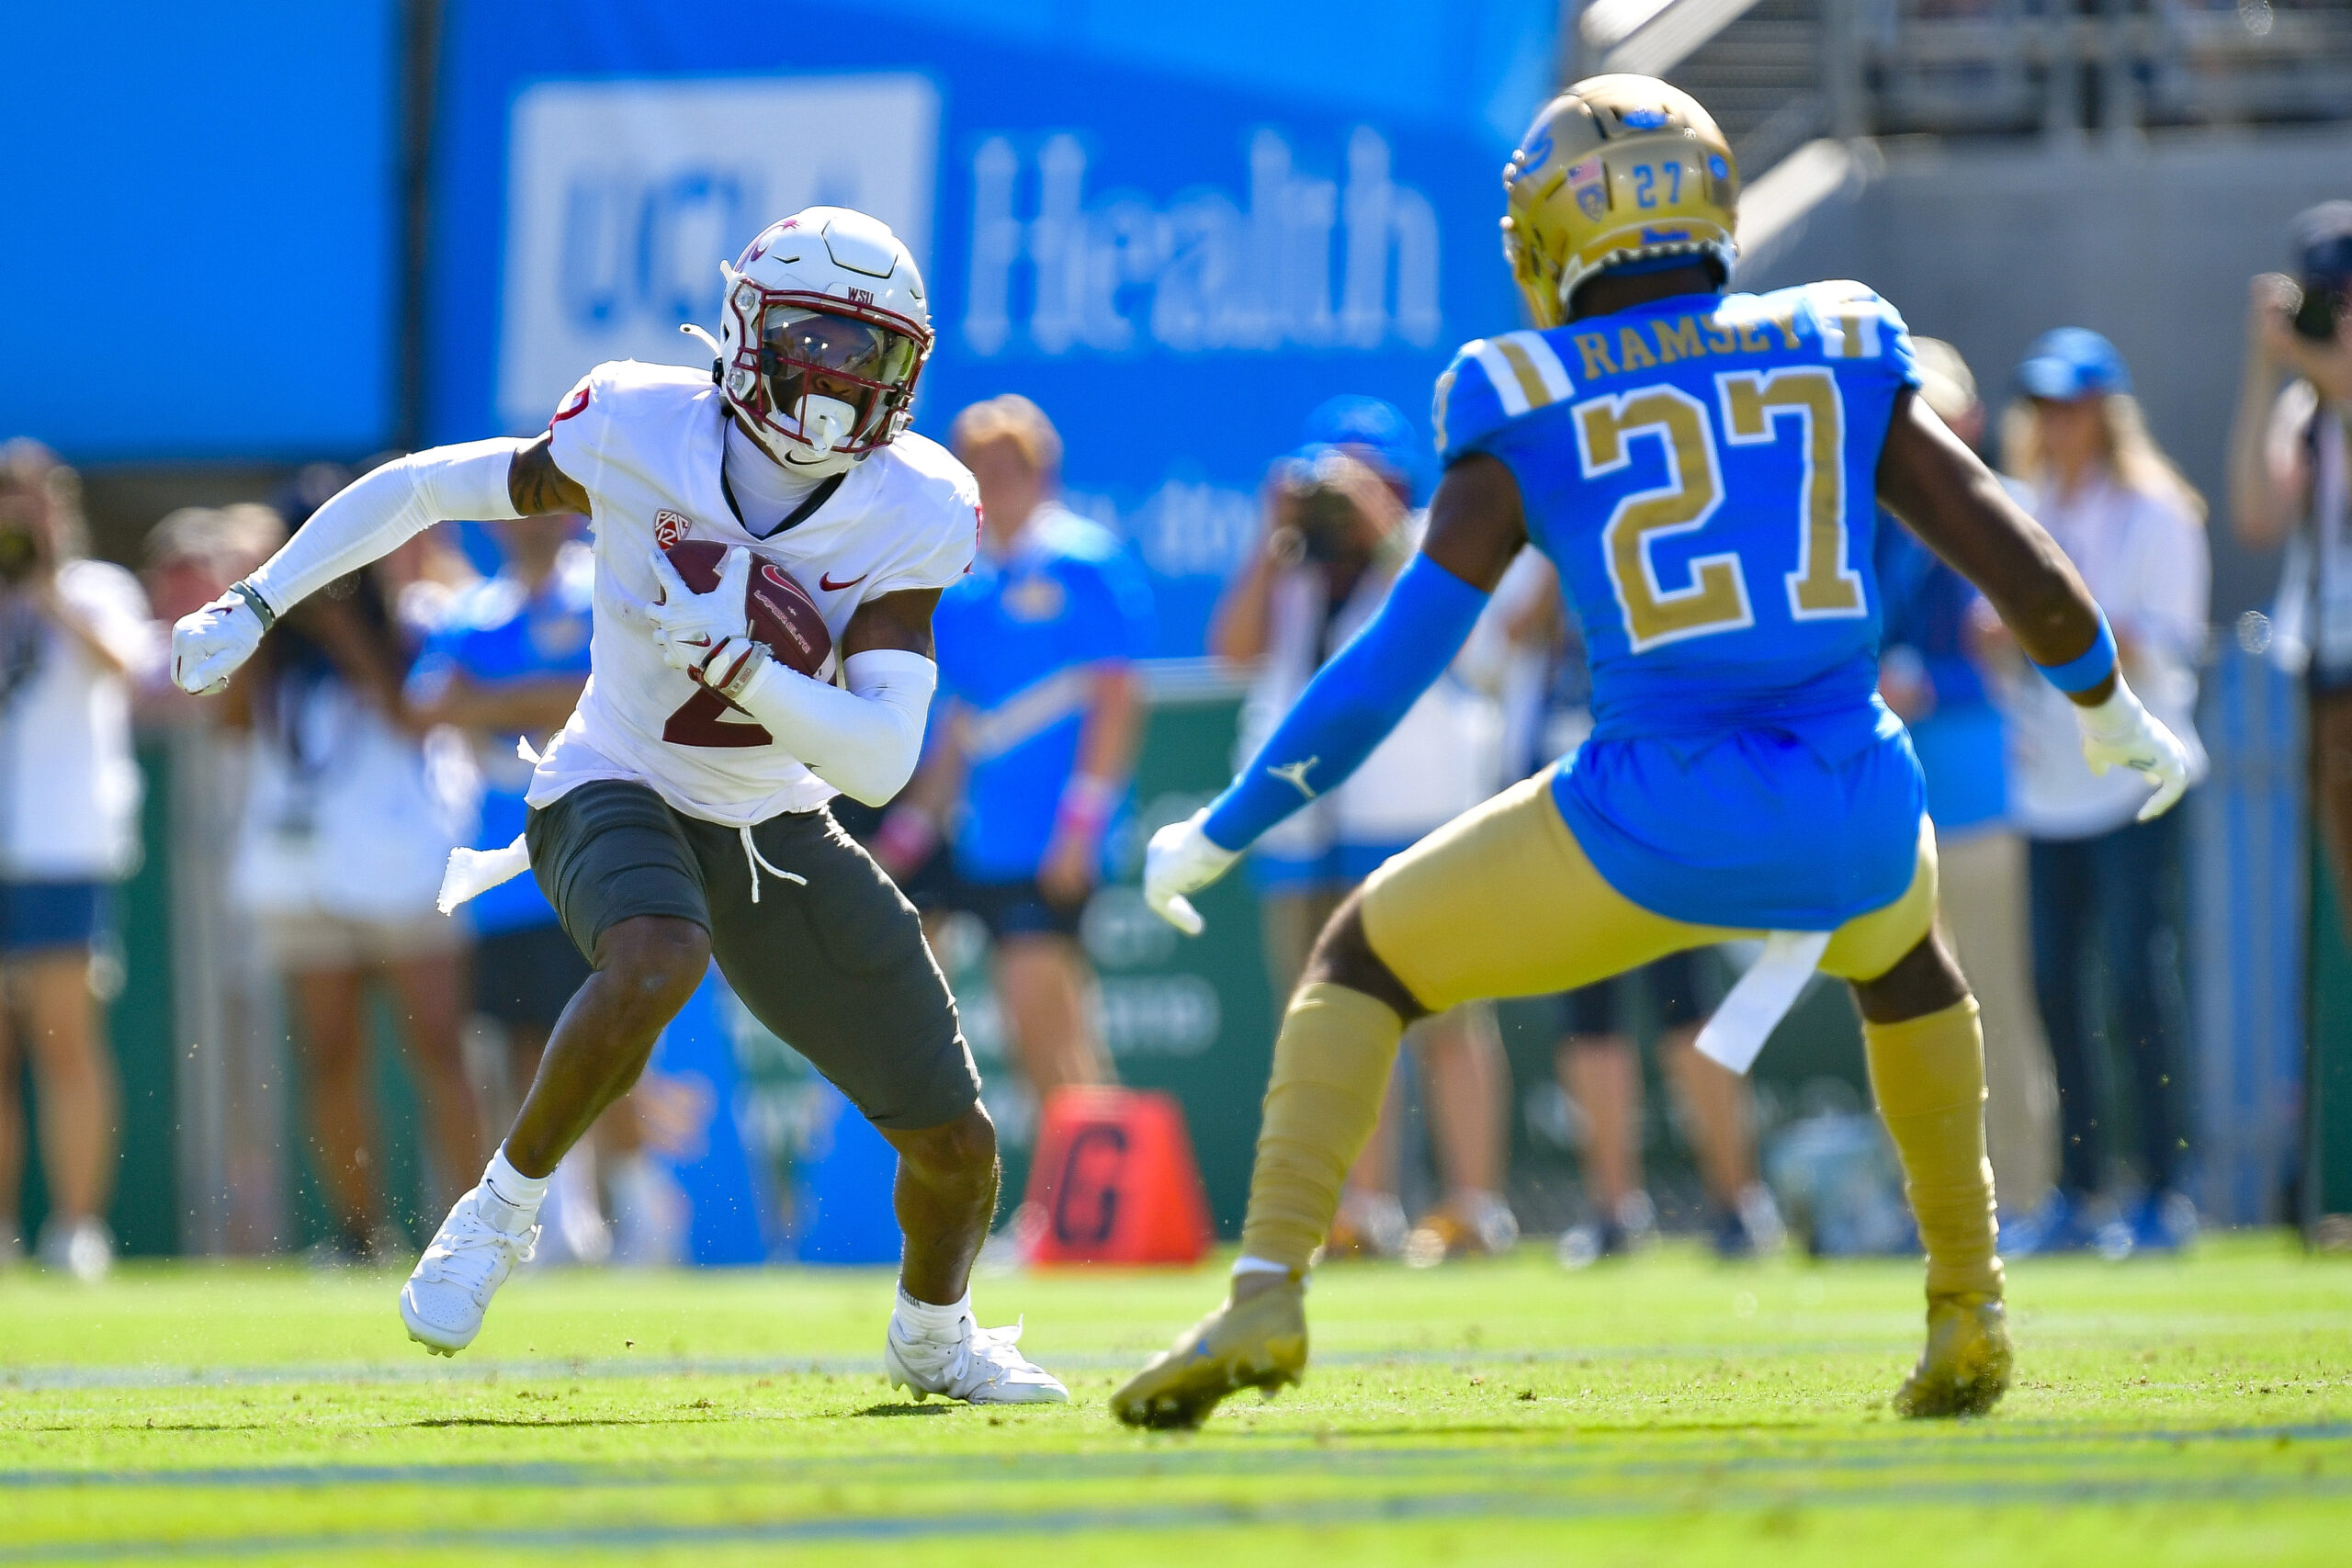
<point>1668,1410</point>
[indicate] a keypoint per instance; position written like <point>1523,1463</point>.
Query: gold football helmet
<point>1615,169</point>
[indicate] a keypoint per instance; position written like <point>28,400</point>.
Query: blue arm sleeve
<point>1353,703</point>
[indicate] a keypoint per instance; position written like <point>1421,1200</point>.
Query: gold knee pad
<point>1928,1076</point>
<point>1331,1067</point>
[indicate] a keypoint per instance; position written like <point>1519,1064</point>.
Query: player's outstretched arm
<point>366,520</point>
<point>1929,477</point>
<point>1477,526</point>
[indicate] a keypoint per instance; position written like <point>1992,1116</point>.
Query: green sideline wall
<point>1185,756</point>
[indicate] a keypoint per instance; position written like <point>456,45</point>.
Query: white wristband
<point>732,664</point>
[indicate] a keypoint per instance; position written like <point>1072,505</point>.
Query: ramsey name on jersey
<point>647,442</point>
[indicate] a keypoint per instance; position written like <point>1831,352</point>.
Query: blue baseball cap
<point>1366,422</point>
<point>2324,243</point>
<point>2070,363</point>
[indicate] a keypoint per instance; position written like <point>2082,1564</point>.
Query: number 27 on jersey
<point>1757,407</point>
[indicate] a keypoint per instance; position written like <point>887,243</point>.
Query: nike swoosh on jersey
<point>825,582</point>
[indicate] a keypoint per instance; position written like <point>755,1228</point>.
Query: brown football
<point>781,612</point>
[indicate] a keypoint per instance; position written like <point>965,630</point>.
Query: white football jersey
<point>646,442</point>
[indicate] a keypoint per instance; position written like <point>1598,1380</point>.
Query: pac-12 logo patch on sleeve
<point>668,527</point>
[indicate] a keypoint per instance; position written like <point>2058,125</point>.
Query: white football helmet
<point>824,330</point>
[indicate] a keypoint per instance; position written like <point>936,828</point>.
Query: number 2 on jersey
<point>1714,597</point>
<point>701,720</point>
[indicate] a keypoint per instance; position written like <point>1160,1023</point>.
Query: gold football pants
<point>1501,902</point>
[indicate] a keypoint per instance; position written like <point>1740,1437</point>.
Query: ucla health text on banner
<point>1176,272</point>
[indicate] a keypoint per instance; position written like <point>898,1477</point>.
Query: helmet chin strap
<point>792,457</point>
<point>818,468</point>
<point>824,422</point>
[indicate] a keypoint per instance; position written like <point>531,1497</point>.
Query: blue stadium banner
<point>200,245</point>
<point>1176,271</point>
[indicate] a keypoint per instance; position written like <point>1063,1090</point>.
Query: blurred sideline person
<point>1931,675</point>
<point>2291,481</point>
<point>2106,884</point>
<point>1707,481</point>
<point>1597,1055</point>
<point>679,819</point>
<point>74,637</point>
<point>338,859</point>
<point>508,661</point>
<point>1599,1065</point>
<point>1338,527</point>
<point>1040,717</point>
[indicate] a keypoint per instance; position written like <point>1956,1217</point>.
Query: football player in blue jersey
<point>1704,470</point>
<point>1042,715</point>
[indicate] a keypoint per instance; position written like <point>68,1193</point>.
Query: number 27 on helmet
<point>1618,171</point>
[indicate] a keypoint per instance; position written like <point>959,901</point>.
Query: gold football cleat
<point>1258,1340</point>
<point>1965,1367</point>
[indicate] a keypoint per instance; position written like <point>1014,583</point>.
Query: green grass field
<point>1668,1410</point>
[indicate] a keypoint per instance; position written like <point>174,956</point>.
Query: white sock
<point>522,1193</point>
<point>919,1323</point>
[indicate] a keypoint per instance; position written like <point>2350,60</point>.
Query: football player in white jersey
<point>681,817</point>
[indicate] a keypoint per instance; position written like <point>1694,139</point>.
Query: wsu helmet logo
<point>668,527</point>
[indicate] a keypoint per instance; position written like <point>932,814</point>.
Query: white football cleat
<point>468,1260</point>
<point>982,1368</point>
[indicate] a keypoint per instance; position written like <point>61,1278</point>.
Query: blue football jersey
<point>1018,640</point>
<point>1702,471</point>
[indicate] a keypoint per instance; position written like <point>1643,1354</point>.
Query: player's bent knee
<point>1343,956</point>
<point>653,961</point>
<point>964,1149</point>
<point>1922,981</point>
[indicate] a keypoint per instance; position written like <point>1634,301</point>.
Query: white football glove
<point>687,624</point>
<point>207,645</point>
<point>2119,733</point>
<point>1180,859</point>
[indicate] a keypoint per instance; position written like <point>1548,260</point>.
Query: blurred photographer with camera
<point>2290,481</point>
<point>1339,527</point>
<point>74,637</point>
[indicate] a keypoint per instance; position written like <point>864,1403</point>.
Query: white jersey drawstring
<point>751,853</point>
